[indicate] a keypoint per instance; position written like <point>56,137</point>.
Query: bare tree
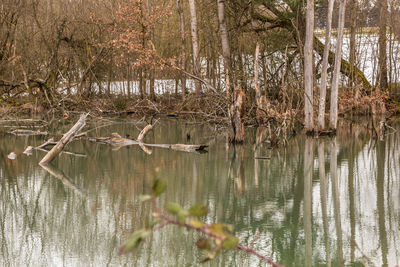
<point>382,62</point>
<point>336,72</point>
<point>226,51</point>
<point>256,67</point>
<point>195,44</point>
<point>183,45</point>
<point>352,52</point>
<point>308,68</point>
<point>324,71</point>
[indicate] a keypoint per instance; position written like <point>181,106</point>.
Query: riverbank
<point>209,108</point>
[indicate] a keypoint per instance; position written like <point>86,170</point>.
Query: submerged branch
<point>67,137</point>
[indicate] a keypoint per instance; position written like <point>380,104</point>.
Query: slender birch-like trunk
<point>308,68</point>
<point>338,59</point>
<point>353,24</point>
<point>256,67</point>
<point>382,72</point>
<point>324,71</point>
<point>183,46</point>
<point>226,51</point>
<point>195,44</point>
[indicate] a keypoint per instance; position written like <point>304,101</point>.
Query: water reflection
<point>324,201</point>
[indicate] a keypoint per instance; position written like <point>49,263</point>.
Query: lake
<point>316,202</point>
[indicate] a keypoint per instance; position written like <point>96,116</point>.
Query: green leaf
<point>134,241</point>
<point>178,211</point>
<point>217,229</point>
<point>159,186</point>
<point>230,242</point>
<point>196,223</point>
<point>198,210</point>
<point>174,208</point>
<point>144,198</point>
<point>182,217</point>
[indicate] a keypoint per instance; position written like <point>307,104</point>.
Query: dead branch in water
<point>29,149</point>
<point>27,132</point>
<point>143,133</point>
<point>67,137</point>
<point>116,140</point>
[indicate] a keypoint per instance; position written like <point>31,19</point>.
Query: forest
<point>237,63</point>
<point>308,89</point>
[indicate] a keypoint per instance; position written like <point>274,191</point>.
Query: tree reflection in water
<point>315,202</point>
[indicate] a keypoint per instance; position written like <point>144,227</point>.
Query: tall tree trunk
<point>308,68</point>
<point>382,72</point>
<point>324,71</point>
<point>142,84</point>
<point>195,44</point>
<point>353,24</point>
<point>183,46</point>
<point>237,107</point>
<point>152,93</point>
<point>256,71</point>
<point>226,50</point>
<point>129,80</point>
<point>338,60</point>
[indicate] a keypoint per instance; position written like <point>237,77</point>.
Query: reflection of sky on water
<point>47,222</point>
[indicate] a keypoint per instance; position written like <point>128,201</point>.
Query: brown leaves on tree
<point>132,32</point>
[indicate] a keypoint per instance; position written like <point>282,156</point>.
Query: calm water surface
<point>317,202</point>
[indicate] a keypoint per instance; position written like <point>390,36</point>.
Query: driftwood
<point>180,147</point>
<point>116,140</point>
<point>27,132</point>
<point>29,149</point>
<point>143,133</point>
<point>67,137</point>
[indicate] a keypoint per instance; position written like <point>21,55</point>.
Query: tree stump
<point>236,115</point>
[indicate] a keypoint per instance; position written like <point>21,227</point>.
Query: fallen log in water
<point>143,133</point>
<point>180,147</point>
<point>67,137</point>
<point>27,132</point>
<point>117,140</point>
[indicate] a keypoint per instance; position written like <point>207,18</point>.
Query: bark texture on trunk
<point>353,24</point>
<point>382,72</point>
<point>262,112</point>
<point>226,51</point>
<point>324,71</point>
<point>236,115</point>
<point>195,44</point>
<point>308,68</point>
<point>183,45</point>
<point>338,60</point>
<point>256,71</point>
